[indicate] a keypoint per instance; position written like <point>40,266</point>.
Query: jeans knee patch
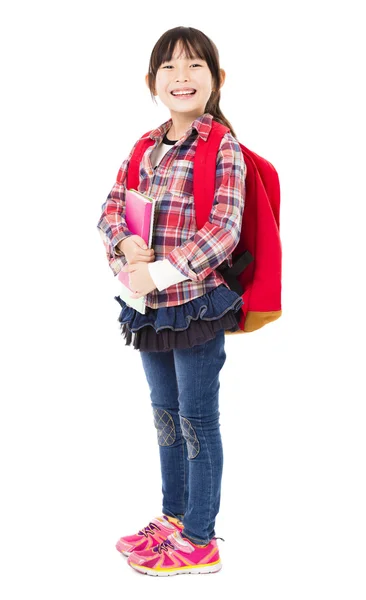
<point>189,434</point>
<point>164,424</point>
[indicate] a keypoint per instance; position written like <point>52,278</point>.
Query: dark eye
<point>194,65</point>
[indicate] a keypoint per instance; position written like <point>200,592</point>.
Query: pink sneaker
<point>177,555</point>
<point>154,533</point>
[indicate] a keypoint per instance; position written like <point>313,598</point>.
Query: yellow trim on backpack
<point>256,320</point>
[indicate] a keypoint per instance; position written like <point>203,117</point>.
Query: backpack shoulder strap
<point>204,172</point>
<point>133,171</point>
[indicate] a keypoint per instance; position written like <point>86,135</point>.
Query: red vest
<point>256,271</point>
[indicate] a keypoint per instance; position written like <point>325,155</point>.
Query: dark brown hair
<point>195,43</point>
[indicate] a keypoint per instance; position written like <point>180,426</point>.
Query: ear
<point>147,81</point>
<point>222,77</point>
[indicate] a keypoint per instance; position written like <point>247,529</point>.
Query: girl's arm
<point>112,225</point>
<point>204,251</point>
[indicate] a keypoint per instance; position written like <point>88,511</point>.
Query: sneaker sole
<point>191,570</point>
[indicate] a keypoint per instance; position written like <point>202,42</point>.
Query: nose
<point>182,74</point>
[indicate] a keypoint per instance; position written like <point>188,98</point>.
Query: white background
<point>79,454</point>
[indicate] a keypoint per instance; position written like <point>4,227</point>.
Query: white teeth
<point>182,93</point>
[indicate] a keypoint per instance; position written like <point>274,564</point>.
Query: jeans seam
<point>184,472</point>
<point>204,434</point>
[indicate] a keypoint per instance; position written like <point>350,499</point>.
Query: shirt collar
<point>202,125</point>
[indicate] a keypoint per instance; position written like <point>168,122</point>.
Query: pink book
<point>139,217</point>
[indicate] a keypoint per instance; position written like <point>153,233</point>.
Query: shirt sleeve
<point>164,274</point>
<point>112,226</point>
<point>204,251</point>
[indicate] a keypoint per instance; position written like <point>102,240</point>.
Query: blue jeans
<point>184,390</point>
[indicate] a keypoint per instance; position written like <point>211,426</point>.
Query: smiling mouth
<point>185,95</point>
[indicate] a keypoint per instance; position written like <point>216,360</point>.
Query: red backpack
<point>256,271</point>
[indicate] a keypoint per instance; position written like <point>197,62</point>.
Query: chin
<point>186,109</point>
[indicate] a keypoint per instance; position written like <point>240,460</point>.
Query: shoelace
<point>163,547</point>
<point>149,529</point>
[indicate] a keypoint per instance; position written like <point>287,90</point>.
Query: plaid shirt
<point>195,253</point>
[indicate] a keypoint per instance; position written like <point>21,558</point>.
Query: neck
<point>181,123</point>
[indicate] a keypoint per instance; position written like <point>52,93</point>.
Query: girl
<point>189,306</point>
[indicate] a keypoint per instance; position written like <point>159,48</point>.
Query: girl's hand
<point>133,247</point>
<point>140,280</point>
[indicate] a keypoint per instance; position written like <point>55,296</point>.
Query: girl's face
<point>182,72</point>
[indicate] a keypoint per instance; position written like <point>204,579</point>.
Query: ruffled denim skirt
<point>194,322</point>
